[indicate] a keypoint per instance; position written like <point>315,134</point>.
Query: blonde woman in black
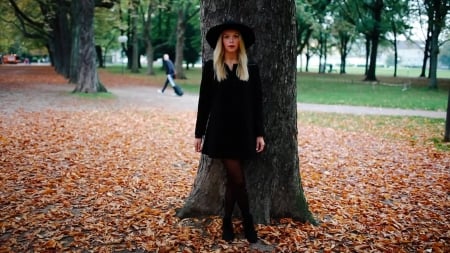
<point>229,123</point>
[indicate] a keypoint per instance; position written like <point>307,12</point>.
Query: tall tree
<point>134,36</point>
<point>396,13</point>
<point>305,26</point>
<point>147,35</point>
<point>88,81</point>
<point>438,11</point>
<point>344,32</point>
<point>273,179</point>
<point>367,17</point>
<point>447,121</point>
<point>376,9</point>
<point>186,11</point>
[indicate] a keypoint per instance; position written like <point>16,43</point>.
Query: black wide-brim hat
<point>246,32</point>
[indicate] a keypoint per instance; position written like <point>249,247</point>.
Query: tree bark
<point>61,41</point>
<point>447,121</point>
<point>134,37</point>
<point>273,179</point>
<point>181,29</point>
<point>75,49</point>
<point>148,38</point>
<point>439,10</point>
<point>377,10</point>
<point>88,81</point>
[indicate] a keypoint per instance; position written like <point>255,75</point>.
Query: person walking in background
<point>170,71</point>
<point>229,123</point>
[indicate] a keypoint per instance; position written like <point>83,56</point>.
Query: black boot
<point>249,229</point>
<point>227,229</point>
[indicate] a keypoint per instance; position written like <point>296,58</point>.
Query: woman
<point>229,119</point>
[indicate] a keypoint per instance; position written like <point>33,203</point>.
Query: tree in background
<point>187,9</point>
<point>88,81</point>
<point>437,11</point>
<point>397,13</point>
<point>447,121</point>
<point>192,44</point>
<point>273,180</point>
<point>345,34</point>
<point>305,24</point>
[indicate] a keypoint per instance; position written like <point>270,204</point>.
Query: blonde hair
<point>219,63</point>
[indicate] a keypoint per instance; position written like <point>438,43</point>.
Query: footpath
<point>188,102</point>
<point>44,96</point>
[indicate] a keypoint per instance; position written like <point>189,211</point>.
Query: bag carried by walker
<point>178,90</point>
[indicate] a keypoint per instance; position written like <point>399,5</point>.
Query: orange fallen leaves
<point>110,180</point>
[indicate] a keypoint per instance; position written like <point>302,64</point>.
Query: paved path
<point>189,102</point>
<point>364,110</point>
<point>39,97</point>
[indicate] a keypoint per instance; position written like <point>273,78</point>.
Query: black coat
<point>229,115</point>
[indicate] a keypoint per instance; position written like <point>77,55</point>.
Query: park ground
<point>106,174</point>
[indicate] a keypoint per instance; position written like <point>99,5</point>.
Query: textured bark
<point>273,179</point>
<point>148,39</point>
<point>88,81</point>
<point>181,30</point>
<point>134,37</point>
<point>447,121</point>
<point>61,43</point>
<point>377,10</point>
<point>75,50</point>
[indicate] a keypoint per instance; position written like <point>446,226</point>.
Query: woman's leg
<point>236,185</point>
<point>237,191</point>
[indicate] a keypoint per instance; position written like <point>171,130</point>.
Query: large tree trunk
<point>148,39</point>
<point>134,37</point>
<point>181,29</point>
<point>434,51</point>
<point>75,50</point>
<point>440,10</point>
<point>61,40</point>
<point>375,39</point>
<point>426,54</point>
<point>88,81</point>
<point>394,29</point>
<point>344,41</point>
<point>273,179</point>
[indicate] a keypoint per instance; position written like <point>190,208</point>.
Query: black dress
<point>229,115</point>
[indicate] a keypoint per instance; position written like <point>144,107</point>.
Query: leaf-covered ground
<point>83,175</point>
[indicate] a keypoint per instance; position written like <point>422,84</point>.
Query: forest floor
<point>79,174</point>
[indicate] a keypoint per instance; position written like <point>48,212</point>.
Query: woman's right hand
<point>198,144</point>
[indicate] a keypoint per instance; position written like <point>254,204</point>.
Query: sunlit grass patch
<point>416,130</point>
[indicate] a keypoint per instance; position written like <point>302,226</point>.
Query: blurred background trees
<point>45,30</point>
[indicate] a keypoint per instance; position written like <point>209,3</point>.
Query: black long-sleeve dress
<point>229,115</point>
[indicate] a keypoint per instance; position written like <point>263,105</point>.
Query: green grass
<point>338,89</point>
<point>349,89</point>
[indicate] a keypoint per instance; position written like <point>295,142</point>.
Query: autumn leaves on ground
<point>108,178</point>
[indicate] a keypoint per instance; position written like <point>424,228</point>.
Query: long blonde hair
<point>219,63</point>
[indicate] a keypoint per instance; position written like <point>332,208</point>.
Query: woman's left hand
<point>260,144</point>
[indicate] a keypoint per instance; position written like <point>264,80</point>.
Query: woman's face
<point>231,40</point>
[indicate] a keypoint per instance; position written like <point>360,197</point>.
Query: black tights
<point>235,188</point>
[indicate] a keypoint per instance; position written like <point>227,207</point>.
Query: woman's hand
<point>260,144</point>
<point>198,144</point>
